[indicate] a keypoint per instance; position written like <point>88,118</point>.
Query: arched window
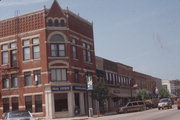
<point>57,38</point>
<point>50,22</point>
<point>57,46</point>
<point>62,23</point>
<point>56,22</point>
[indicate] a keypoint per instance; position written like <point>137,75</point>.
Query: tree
<point>100,93</point>
<point>142,94</point>
<point>163,92</point>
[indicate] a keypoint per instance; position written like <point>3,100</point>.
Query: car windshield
<point>19,114</point>
<point>164,100</point>
<point>178,99</point>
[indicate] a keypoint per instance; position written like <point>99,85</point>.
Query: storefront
<point>119,97</point>
<point>61,101</point>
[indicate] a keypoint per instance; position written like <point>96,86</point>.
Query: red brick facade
<point>63,23</point>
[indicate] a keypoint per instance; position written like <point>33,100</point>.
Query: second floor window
<point>5,105</point>
<point>27,79</point>
<point>14,81</point>
<point>5,81</point>
<point>57,50</point>
<point>5,57</point>
<point>76,76</point>
<point>28,103</point>
<point>58,75</point>
<point>15,104</point>
<point>38,103</point>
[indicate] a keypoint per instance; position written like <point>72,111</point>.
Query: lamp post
<point>89,81</point>
<point>157,92</point>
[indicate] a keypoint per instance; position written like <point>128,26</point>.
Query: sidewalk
<point>85,117</point>
<point>74,118</point>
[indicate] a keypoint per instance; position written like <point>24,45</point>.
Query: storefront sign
<point>60,88</point>
<point>79,88</point>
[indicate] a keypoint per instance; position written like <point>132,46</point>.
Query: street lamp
<point>89,81</point>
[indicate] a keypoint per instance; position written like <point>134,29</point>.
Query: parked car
<point>132,107</point>
<point>165,103</point>
<point>18,115</point>
<point>178,103</point>
<point>148,105</point>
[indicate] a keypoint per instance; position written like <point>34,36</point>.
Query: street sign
<point>89,82</point>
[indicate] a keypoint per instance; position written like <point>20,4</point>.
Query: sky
<point>144,34</point>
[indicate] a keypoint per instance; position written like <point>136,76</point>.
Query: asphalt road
<point>153,114</point>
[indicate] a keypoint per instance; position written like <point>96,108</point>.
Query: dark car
<point>165,103</point>
<point>148,105</point>
<point>18,115</point>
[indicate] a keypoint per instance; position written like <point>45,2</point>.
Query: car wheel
<point>125,111</point>
<point>159,108</point>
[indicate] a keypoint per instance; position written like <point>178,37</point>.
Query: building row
<point>47,57</point>
<point>173,87</point>
<point>123,82</point>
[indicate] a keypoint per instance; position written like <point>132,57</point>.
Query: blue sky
<point>144,34</point>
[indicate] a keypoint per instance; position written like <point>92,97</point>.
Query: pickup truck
<point>178,103</point>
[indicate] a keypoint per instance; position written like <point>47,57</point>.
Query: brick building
<point>118,78</point>
<point>46,57</point>
<point>122,82</point>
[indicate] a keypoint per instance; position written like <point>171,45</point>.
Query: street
<point>153,114</point>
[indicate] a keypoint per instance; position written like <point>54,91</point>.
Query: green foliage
<point>142,94</point>
<point>163,92</point>
<point>100,92</point>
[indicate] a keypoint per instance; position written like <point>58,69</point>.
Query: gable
<point>55,10</point>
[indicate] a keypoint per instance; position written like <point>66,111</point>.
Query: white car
<point>165,103</point>
<point>18,115</point>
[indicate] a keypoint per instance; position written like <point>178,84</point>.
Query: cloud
<point>6,3</point>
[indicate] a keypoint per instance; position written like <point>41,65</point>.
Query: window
<point>76,76</point>
<point>36,52</point>
<point>50,22</point>
<point>58,74</point>
<point>56,23</point>
<point>35,40</point>
<point>37,76</point>
<point>14,81</point>
<point>60,101</point>
<point>5,81</point>
<point>13,45</point>
<point>4,47</point>
<point>57,46</point>
<point>14,58</point>
<point>26,42</point>
<point>26,52</point>
<point>15,104</point>
<point>5,105</point>
<point>38,103</point>
<point>89,56</point>
<point>27,79</point>
<point>57,50</point>
<point>74,48</point>
<point>28,103</point>
<point>62,23</point>
<point>5,57</point>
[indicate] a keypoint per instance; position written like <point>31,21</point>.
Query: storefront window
<point>60,101</point>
